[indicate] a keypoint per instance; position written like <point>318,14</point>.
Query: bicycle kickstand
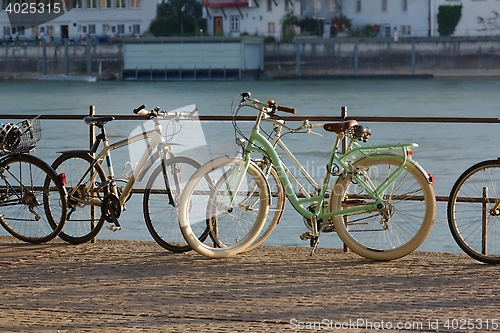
<point>314,239</point>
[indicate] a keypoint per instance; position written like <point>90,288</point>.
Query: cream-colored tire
<point>207,205</point>
<point>398,229</point>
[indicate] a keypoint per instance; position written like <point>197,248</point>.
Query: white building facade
<point>248,17</point>
<point>473,12</point>
<point>82,19</point>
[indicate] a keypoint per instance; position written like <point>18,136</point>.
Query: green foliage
<point>311,26</point>
<point>367,30</point>
<point>178,18</point>
<point>287,22</point>
<point>448,17</point>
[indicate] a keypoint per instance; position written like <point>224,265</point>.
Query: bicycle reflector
<point>62,178</point>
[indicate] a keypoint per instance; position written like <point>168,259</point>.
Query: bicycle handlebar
<point>247,97</point>
<point>156,112</point>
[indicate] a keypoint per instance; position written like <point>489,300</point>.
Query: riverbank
<point>131,286</point>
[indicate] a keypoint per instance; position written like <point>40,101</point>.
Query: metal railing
<point>343,116</point>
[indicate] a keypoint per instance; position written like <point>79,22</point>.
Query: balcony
<point>225,3</point>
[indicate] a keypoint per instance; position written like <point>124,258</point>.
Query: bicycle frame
<point>143,165</point>
<point>342,160</point>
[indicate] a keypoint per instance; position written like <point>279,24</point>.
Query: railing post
<point>297,57</point>
<point>44,56</point>
<point>356,58</point>
<point>413,61</point>
<point>343,116</point>
<point>484,231</point>
<point>93,212</point>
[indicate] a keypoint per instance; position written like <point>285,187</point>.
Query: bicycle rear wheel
<point>32,199</point>
<point>398,229</point>
<point>233,213</point>
<point>161,216</point>
<point>81,225</point>
<point>475,228</point>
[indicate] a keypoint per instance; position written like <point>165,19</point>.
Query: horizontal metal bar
<point>287,118</point>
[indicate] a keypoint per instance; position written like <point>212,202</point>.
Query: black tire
<point>32,199</point>
<point>468,208</point>
<point>161,216</point>
<point>81,225</point>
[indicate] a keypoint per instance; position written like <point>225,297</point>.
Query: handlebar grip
<point>136,111</point>
<point>142,112</point>
<point>286,109</point>
<point>317,125</point>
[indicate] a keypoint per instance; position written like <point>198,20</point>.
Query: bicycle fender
<point>428,176</point>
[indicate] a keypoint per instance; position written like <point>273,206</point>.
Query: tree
<point>448,18</point>
<point>177,18</point>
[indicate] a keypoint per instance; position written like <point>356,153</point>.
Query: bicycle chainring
<point>111,208</point>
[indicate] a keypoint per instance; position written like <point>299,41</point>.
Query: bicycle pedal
<point>113,228</point>
<point>306,235</point>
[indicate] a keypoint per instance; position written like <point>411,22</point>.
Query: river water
<point>445,149</point>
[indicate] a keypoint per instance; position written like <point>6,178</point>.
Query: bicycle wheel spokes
<point>159,213</point>
<point>233,213</point>
<point>475,228</point>
<point>32,200</point>
<point>83,222</point>
<point>401,226</point>
<point>276,206</point>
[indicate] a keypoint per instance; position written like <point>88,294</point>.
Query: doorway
<point>218,25</point>
<point>64,32</point>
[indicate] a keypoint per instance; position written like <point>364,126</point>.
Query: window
<point>286,5</point>
<point>136,29</point>
<point>91,4</point>
<point>405,5</point>
<point>84,29</point>
<point>4,4</point>
<point>235,23</point>
<point>120,4</point>
<point>405,30</point>
<point>358,6</point>
<point>91,28</point>
<point>77,3</point>
<point>384,5</point>
<point>6,30</point>
<point>113,30</point>
<point>105,4</point>
<point>269,5</point>
<point>135,3</point>
<point>387,31</point>
<point>270,28</point>
<point>20,30</point>
<point>120,28</point>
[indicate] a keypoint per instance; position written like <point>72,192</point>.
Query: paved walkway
<point>126,286</point>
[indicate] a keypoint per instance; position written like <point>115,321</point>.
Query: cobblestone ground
<point>128,286</point>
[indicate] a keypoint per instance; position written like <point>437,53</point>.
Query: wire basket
<point>21,137</point>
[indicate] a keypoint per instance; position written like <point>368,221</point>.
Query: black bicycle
<point>32,195</point>
<point>474,211</point>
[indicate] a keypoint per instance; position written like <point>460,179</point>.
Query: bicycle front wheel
<point>32,199</point>
<point>473,224</point>
<point>276,205</point>
<point>82,184</point>
<point>160,215</point>
<point>399,228</point>
<point>233,207</point>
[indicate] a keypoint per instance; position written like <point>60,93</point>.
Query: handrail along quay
<point>469,120</point>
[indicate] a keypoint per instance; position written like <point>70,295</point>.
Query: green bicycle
<point>382,204</point>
